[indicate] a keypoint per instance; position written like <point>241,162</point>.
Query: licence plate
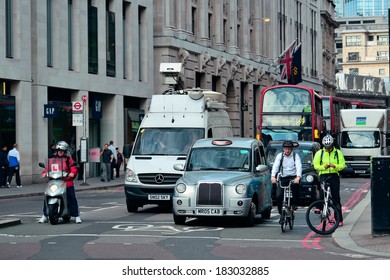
<point>159,197</point>
<point>360,171</point>
<point>209,211</point>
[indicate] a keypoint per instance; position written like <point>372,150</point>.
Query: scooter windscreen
<point>57,168</point>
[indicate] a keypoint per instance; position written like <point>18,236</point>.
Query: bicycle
<point>322,216</point>
<point>287,215</point>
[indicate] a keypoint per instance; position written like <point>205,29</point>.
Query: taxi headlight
<point>310,178</point>
<point>240,189</point>
<point>180,188</point>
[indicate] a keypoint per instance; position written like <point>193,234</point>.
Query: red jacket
<point>65,164</point>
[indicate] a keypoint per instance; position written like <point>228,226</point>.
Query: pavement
<point>356,235</point>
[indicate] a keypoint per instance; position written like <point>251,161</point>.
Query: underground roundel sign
<point>77,106</point>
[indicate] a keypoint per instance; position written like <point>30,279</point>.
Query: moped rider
<point>63,154</point>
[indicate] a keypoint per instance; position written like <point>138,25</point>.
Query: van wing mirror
<point>126,150</point>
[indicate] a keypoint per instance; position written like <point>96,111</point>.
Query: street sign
<point>84,98</point>
<point>77,106</point>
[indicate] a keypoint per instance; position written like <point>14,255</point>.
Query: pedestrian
<point>289,165</point>
<point>52,150</point>
<point>107,158</point>
<point>113,162</point>
<point>13,158</point>
<point>3,166</point>
<point>119,161</point>
<point>63,154</point>
<point>329,161</point>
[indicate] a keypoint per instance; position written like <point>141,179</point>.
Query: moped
<point>55,197</point>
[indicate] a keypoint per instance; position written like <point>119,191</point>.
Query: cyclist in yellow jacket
<point>329,161</point>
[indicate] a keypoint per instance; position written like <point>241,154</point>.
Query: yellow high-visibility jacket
<point>323,157</point>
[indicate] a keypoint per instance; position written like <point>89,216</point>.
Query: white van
<point>173,123</point>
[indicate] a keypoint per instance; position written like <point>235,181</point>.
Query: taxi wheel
<point>250,218</point>
<point>179,220</point>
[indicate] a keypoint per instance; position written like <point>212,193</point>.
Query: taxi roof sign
<point>221,142</point>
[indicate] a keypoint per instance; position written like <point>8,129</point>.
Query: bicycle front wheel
<point>322,222</point>
<point>283,220</point>
<point>291,220</point>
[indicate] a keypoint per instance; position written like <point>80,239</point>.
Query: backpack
<point>336,155</point>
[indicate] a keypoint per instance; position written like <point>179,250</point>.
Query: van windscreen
<point>166,141</point>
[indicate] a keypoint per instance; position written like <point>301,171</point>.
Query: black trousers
<point>11,171</point>
<point>334,180</point>
<point>280,192</point>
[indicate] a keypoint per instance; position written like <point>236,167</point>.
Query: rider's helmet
<point>288,144</point>
<point>327,141</point>
<point>62,145</point>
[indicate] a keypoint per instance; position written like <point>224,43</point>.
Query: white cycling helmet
<point>327,141</point>
<point>62,145</point>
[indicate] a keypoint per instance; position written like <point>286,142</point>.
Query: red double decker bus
<point>290,112</point>
<point>331,106</point>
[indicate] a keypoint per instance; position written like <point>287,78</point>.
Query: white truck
<point>175,120</point>
<point>364,133</point>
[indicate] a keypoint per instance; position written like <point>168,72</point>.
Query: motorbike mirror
<point>41,164</point>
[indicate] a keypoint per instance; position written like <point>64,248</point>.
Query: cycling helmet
<point>288,144</point>
<point>327,141</point>
<point>62,145</point>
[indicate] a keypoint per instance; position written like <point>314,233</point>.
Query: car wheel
<point>250,218</point>
<point>131,206</point>
<point>266,214</point>
<point>179,220</point>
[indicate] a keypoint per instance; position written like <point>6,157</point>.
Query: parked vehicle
<point>310,179</point>
<point>173,123</point>
<point>223,177</point>
<point>364,134</point>
<point>55,192</point>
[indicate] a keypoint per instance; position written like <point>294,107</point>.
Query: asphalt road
<point>109,232</point>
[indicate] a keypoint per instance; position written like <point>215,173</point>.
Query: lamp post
<point>263,19</point>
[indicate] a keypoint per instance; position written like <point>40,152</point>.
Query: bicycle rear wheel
<point>319,222</point>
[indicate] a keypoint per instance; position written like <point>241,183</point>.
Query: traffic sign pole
<point>85,139</point>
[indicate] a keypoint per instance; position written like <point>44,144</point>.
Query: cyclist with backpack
<point>289,165</point>
<point>329,161</point>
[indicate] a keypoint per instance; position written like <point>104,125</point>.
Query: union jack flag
<point>285,60</point>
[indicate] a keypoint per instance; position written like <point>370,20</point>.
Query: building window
<point>354,71</point>
<point>354,41</point>
<point>70,32</point>
<point>382,40</point>
<point>382,55</point>
<point>8,28</point>
<point>381,72</point>
<point>92,40</point>
<point>110,43</point>
<point>193,21</point>
<point>353,56</point>
<point>49,24</point>
<point>142,45</point>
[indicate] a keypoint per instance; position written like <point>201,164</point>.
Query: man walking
<point>14,166</point>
